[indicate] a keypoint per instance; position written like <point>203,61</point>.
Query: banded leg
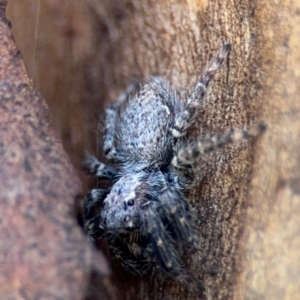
<point>110,122</point>
<point>170,228</point>
<point>99,169</point>
<point>162,244</point>
<point>186,118</point>
<point>177,213</point>
<point>92,205</point>
<point>187,156</point>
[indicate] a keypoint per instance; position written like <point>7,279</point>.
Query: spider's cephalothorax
<point>144,216</point>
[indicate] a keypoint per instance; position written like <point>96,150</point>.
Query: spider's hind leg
<point>110,122</point>
<point>191,108</point>
<point>187,156</point>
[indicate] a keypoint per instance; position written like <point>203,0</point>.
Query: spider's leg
<point>178,216</point>
<point>164,245</point>
<point>110,122</point>
<point>161,242</point>
<point>187,156</point>
<point>186,118</point>
<point>92,203</point>
<point>93,198</point>
<point>99,169</point>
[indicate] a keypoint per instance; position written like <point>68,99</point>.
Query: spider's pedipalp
<point>187,156</point>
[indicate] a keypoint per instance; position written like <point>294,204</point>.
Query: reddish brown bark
<point>43,253</point>
<point>248,202</point>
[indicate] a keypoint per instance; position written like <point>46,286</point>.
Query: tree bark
<point>38,235</point>
<point>43,252</point>
<point>247,201</point>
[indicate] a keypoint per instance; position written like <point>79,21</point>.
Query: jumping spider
<point>145,216</point>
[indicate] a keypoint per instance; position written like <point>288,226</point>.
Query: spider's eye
<point>130,202</point>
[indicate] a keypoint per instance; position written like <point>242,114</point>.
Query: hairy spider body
<point>145,216</point>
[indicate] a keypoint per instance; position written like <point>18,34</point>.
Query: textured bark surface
<point>43,252</point>
<point>248,200</point>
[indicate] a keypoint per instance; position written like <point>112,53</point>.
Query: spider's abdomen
<point>143,125</point>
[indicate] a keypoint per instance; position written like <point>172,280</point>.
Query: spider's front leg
<point>91,207</point>
<point>162,244</point>
<point>187,156</point>
<point>191,107</point>
<point>176,212</point>
<point>169,225</point>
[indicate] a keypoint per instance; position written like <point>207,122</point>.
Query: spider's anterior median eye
<point>130,202</point>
